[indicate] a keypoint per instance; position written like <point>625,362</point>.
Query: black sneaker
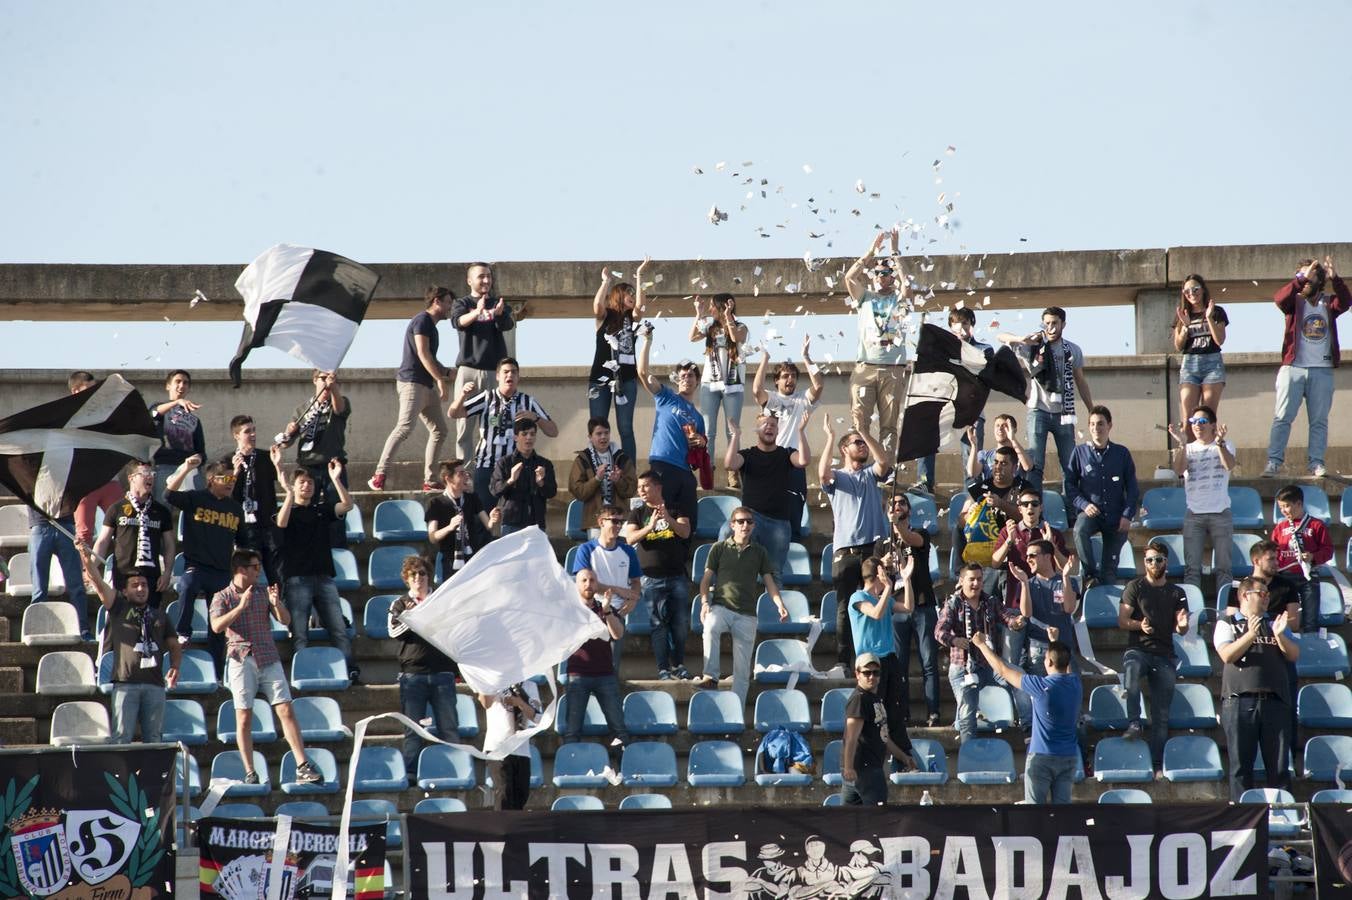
<point>306,773</point>
<point>251,778</point>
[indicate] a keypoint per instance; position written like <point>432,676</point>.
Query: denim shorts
<point>1202,368</point>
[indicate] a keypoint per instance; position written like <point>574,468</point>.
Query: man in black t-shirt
<point>456,522</point>
<point>256,491</point>
<point>307,561</point>
<point>767,481</point>
<point>523,482</point>
<point>426,675</point>
<point>140,532</point>
<point>1151,611</point>
<point>661,537</point>
<point>869,739</point>
<point>482,320</point>
<point>893,550</point>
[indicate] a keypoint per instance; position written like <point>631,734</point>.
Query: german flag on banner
<point>237,860</point>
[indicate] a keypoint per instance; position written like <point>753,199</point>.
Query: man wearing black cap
<point>863,764</point>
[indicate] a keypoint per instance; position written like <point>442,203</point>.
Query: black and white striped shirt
<point>496,414</point>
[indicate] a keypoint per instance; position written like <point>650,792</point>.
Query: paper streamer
<point>281,842</point>
<point>1087,650</point>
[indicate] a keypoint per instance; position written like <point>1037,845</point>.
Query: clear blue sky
<point>425,131</point>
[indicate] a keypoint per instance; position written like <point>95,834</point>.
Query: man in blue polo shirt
<point>678,431</point>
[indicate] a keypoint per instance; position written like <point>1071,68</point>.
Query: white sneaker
<point>1272,470</point>
<point>1319,470</point>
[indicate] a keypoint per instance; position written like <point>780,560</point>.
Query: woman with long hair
<point>618,308</point>
<point>1199,332</point>
<point>723,381</point>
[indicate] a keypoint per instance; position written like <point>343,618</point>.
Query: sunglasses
<point>1033,555</point>
<point>858,442</point>
<point>1030,503</point>
<point>743,521</point>
<point>1201,420</point>
<point>1156,559</point>
<point>1192,290</point>
<point>224,479</point>
<point>867,673</point>
<point>1255,593</point>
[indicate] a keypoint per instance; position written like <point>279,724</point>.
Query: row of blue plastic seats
<point>1162,508</point>
<point>1101,601</point>
<point>314,668</point>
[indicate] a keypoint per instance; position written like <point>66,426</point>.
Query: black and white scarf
<point>247,499</point>
<point>607,486</point>
<point>1058,385</point>
<point>309,423</point>
<point>145,553</point>
<point>461,551</point>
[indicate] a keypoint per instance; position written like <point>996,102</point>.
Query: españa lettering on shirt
<point>226,520</point>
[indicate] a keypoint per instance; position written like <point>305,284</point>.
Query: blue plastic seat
<point>576,803</point>
<point>650,712</point>
<point>931,764</point>
<point>1240,564</point>
<point>825,563</point>
<point>179,570</point>
<point>1124,795</point>
<point>791,778</point>
<point>716,764</point>
<point>1345,509</point>
<point>1246,508</point>
<point>1119,759</point>
<point>831,763</point>
<point>639,621</point>
<point>1332,795</point>
<point>354,527</point>
<point>645,801</point>
<point>1192,757</point>
<point>995,709</point>
<point>776,660</point>
<point>1281,822</point>
<point>1330,604</point>
<point>767,614</point>
<point>1108,708</point>
<point>373,811</point>
<point>570,558</point>
<point>398,520</point>
<point>797,567</point>
<point>431,805</point>
<point>828,611</point>
<point>782,708</point>
<point>345,576</point>
<point>319,669</point>
<point>573,525</point>
<point>581,765</point>
<point>935,574</point>
<point>955,503</point>
<point>229,765</point>
<point>238,811</point>
<point>466,718</point>
<point>833,800</point>
<point>320,719</point>
<point>924,513</point>
<point>714,511</point>
<point>376,616</point>
<point>1316,504</point>
<point>105,670</point>
<point>185,722</point>
<point>303,809</point>
<point>445,769</point>
<point>1176,567</point>
<point>1100,605</point>
<point>263,728</point>
<point>1328,757</point>
<point>1192,707</point>
<point>833,710</point>
<point>1196,602</point>
<point>1162,509</point>
<point>715,712</point>
<point>200,626</point>
<point>1325,704</point>
<point>1194,659</point>
<point>593,721</point>
<point>316,630</point>
<point>380,769</point>
<point>986,761</point>
<point>384,566</point>
<point>1054,510</point>
<point>699,562</point>
<point>648,763</point>
<point>323,760</point>
<point>194,778</point>
<point>1126,558</point>
<point>1322,657</point>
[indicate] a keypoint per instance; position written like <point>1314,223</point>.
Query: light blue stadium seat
<point>1330,604</point>
<point>1196,602</point>
<point>570,558</point>
<point>184,721</point>
<point>955,503</point>
<point>782,708</point>
<point>1119,759</point>
<point>645,801</point>
<point>194,778</point>
<point>832,717</point>
<point>924,513</point>
<point>1328,757</point>
<point>319,669</point>
<point>230,766</point>
<point>384,565</point>
<point>1054,510</point>
<point>931,764</point>
<point>376,616</point>
<point>323,760</point>
<point>576,803</point>
<point>1316,504</point>
<point>320,719</point>
<point>1192,757</point>
<point>1126,559</point>
<point>1194,656</point>
<point>1260,767</point>
<point>1176,567</point>
<point>995,709</point>
<point>714,511</point>
<point>986,761</point>
<point>777,659</point>
<point>648,763</point>
<point>1246,508</point>
<point>790,778</point>
<point>445,769</point>
<point>696,626</point>
<point>1281,822</point>
<point>715,712</point>
<point>767,614</point>
<point>1322,657</point>
<point>196,674</point>
<point>105,671</point>
<point>303,809</point>
<point>639,621</point>
<point>1332,795</point>
<point>650,712</point>
<point>699,562</point>
<point>825,563</point>
<point>317,631</point>
<point>573,524</point>
<point>1162,509</point>
<point>466,718</point>
<point>716,764</point>
<point>1345,509</point>
<point>238,811</point>
<point>432,805</point>
<point>828,610</point>
<point>200,626</point>
<point>935,574</point>
<point>346,577</point>
<point>1240,545</point>
<point>380,769</point>
<point>831,763</point>
<point>580,765</point>
<point>1100,605</point>
<point>1108,707</point>
<point>354,526</point>
<point>398,520</point>
<point>593,721</point>
<point>1192,707</point>
<point>180,568</point>
<point>1325,705</point>
<point>833,800</point>
<point>797,567</point>
<point>263,728</point>
<point>372,810</point>
<point>1124,795</point>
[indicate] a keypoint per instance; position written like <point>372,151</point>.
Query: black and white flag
<point>948,389</point>
<point>52,455</point>
<point>304,302</point>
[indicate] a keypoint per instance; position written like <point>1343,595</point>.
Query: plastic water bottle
<point>926,799</point>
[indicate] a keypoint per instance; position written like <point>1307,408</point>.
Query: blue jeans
<point>709,404</point>
<point>199,581</point>
<point>967,697</point>
<point>482,478</point>
<point>415,693</point>
<point>1315,387</point>
<point>921,624</point>
<point>1160,670</point>
<point>606,689</point>
<point>1105,569</point>
<point>924,468</point>
<point>598,405</point>
<point>1012,643</point>
<point>44,542</point>
<point>869,788</point>
<point>1042,423</point>
<point>772,534</point>
<point>138,703</point>
<point>1048,777</point>
<point>668,598</point>
<point>318,593</point>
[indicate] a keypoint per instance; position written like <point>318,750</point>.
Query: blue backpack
<point>783,751</point>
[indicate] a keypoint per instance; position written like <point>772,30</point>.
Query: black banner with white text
<point>1119,851</point>
<point>1332,827</point>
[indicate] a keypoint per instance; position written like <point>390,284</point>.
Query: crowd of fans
<point>1009,620</point>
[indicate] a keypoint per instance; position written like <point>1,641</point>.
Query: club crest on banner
<point>40,854</point>
<point>100,842</point>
